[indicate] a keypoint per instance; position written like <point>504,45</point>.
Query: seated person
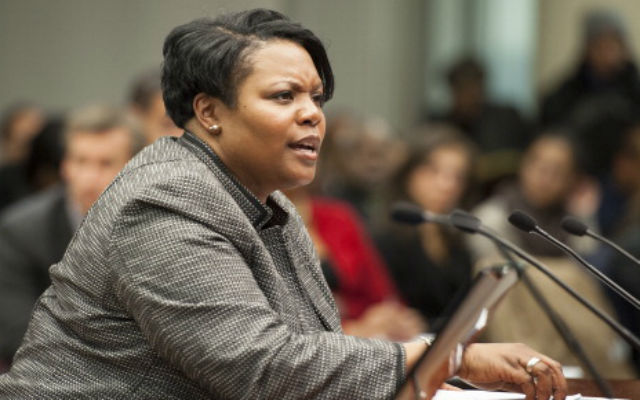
<point>548,182</point>
<point>18,125</point>
<point>146,104</point>
<point>430,263</point>
<point>499,131</point>
<point>359,157</point>
<point>34,232</point>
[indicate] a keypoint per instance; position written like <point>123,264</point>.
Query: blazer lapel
<point>300,249</point>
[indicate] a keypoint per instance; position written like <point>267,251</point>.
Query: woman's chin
<point>300,181</point>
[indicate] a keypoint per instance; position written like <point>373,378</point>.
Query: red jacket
<point>362,275</point>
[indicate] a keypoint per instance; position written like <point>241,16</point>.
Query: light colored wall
<point>377,50</point>
<point>500,34</point>
<point>559,34</point>
<point>63,53</point>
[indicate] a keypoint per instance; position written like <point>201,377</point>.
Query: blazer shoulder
<point>169,177</point>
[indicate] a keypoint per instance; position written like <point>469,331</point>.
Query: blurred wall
<point>560,34</point>
<point>64,53</point>
<point>500,34</point>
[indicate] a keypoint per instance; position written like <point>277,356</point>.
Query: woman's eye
<point>283,96</point>
<point>318,99</point>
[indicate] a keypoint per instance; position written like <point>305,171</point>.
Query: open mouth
<point>308,145</point>
<point>304,147</point>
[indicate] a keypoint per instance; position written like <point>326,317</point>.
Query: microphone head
<point>464,221</point>
<point>522,221</point>
<point>407,213</point>
<point>574,226</point>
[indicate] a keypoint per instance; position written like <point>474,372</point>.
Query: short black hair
<point>210,56</point>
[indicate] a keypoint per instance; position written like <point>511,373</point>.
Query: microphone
<point>464,222</point>
<point>576,227</point>
<point>524,222</point>
<point>411,214</point>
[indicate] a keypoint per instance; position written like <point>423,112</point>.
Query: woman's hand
<point>504,366</point>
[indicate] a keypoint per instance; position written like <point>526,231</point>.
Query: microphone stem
<point>621,330</point>
<point>601,277</point>
<point>615,246</point>
<point>558,323</point>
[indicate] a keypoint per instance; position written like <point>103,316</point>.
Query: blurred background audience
<point>484,105</point>
<point>545,189</point>
<point>602,95</point>
<point>34,233</point>
<point>145,102</point>
<point>19,124</point>
<point>367,300</point>
<point>359,156</point>
<point>499,131</point>
<point>430,264</point>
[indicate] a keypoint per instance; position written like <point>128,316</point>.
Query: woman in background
<point>430,263</point>
<point>548,189</point>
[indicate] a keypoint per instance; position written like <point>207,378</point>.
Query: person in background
<point>34,233</point>
<point>548,188</point>
<point>620,208</point>
<point>360,156</point>
<point>620,184</point>
<point>355,272</point>
<point>429,263</point>
<point>18,126</point>
<point>499,131</point>
<point>601,96</point>
<point>146,104</point>
<point>42,166</point>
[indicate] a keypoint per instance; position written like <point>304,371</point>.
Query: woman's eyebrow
<point>295,85</point>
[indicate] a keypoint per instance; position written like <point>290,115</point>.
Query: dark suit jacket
<point>180,284</point>
<point>33,235</point>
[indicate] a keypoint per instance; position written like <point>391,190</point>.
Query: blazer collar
<point>259,214</point>
<point>274,213</point>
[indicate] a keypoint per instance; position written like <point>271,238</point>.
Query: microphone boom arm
<point>621,330</point>
<point>601,277</point>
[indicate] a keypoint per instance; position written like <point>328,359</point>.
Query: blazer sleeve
<point>196,301</point>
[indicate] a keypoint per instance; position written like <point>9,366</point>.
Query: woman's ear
<point>205,107</point>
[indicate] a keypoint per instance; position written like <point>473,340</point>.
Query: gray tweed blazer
<point>180,284</point>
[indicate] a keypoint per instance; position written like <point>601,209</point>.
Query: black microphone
<point>464,222</point>
<point>471,224</point>
<point>411,214</point>
<point>524,222</point>
<point>576,227</point>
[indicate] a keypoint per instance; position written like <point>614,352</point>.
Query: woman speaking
<point>193,277</point>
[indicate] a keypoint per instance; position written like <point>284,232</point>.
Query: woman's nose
<point>309,113</point>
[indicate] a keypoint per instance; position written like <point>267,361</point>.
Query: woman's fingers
<point>542,379</point>
<point>548,379</point>
<point>514,366</point>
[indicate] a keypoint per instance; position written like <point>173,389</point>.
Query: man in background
<point>147,105</point>
<point>34,233</point>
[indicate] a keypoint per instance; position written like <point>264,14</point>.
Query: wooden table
<point>625,389</point>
